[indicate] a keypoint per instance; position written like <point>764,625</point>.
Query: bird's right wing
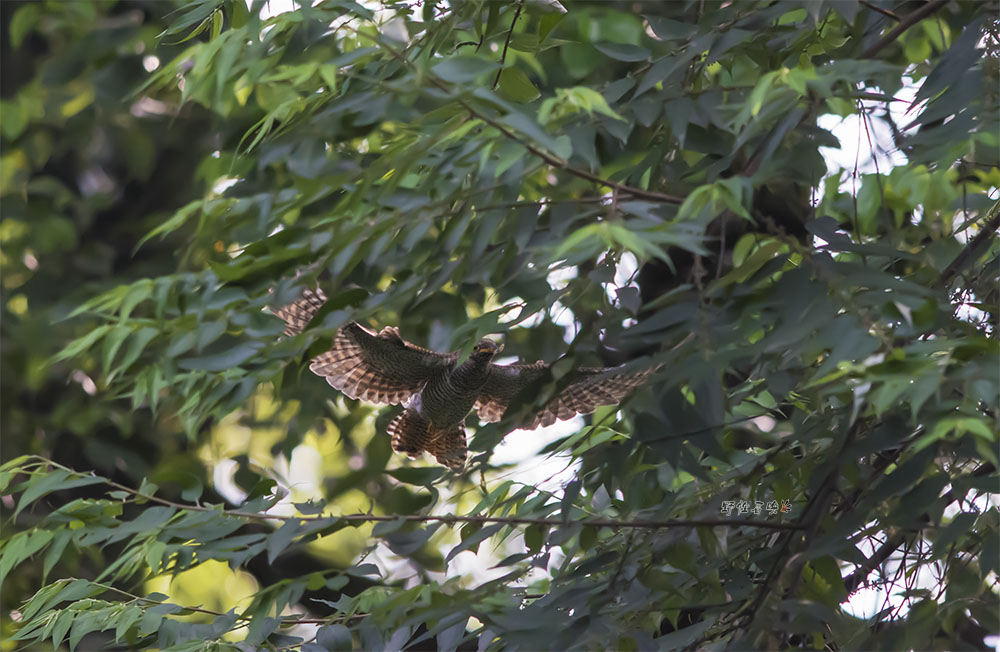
<point>504,383</point>
<point>381,368</point>
<point>593,387</point>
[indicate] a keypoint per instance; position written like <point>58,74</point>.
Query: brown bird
<point>436,391</point>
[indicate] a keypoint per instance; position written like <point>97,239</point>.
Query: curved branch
<point>905,23</point>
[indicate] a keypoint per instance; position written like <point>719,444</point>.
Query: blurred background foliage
<point>791,205</point>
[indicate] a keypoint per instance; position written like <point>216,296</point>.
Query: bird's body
<point>437,391</point>
<point>434,418</point>
<point>450,395</point>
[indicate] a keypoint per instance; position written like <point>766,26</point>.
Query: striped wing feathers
<point>380,368</point>
<point>599,386</point>
<point>300,312</point>
<point>595,387</point>
<point>505,382</point>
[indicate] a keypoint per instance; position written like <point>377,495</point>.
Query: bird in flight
<point>437,391</point>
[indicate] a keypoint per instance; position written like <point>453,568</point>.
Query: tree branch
<point>973,246</point>
<point>855,579</point>
<point>789,567</point>
<point>905,23</point>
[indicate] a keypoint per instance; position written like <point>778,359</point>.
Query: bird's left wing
<point>594,386</point>
<point>381,368</point>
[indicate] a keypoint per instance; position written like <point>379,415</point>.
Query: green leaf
<point>544,7</point>
<point>623,51</point>
<point>534,537</point>
<point>178,219</point>
<point>516,85</point>
<point>17,464</point>
<point>962,54</point>
<point>129,616</point>
<point>281,538</point>
<point>666,29</point>
<point>136,294</point>
<point>65,590</point>
<point>463,69</point>
<point>548,22</point>
<point>112,343</point>
<point>64,620</point>
<point>536,135</point>
<point>472,541</point>
<point>21,546</point>
<point>137,343</point>
<point>57,480</point>
<point>335,638</point>
<point>79,345</point>
<point>60,539</point>
<point>22,22</point>
<point>226,359</point>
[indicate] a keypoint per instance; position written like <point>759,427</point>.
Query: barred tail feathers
<point>450,448</point>
<point>412,433</point>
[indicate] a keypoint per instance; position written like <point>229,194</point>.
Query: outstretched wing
<point>380,368</point>
<point>504,383</point>
<point>594,387</point>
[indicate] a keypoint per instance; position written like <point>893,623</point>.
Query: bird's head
<point>485,348</point>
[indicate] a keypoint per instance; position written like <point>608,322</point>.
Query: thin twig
<point>503,57</point>
<point>543,202</point>
<point>551,159</point>
<point>108,587</point>
<point>444,518</point>
<point>877,9</point>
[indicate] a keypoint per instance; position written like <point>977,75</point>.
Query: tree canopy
<point>792,207</point>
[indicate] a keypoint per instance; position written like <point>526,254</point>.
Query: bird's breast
<point>447,400</point>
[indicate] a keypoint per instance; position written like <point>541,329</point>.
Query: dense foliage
<point>813,466</point>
